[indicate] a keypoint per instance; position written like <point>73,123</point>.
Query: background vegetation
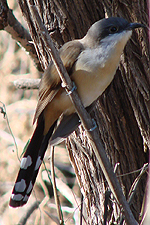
<point>20,105</point>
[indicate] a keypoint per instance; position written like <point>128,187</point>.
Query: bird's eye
<point>113,29</point>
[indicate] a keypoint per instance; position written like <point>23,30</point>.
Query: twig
<point>81,210</point>
<point>134,186</point>
<point>136,182</point>
<point>54,218</point>
<point>62,187</point>
<point>59,212</point>
<point>27,83</point>
<point>9,128</point>
<point>78,208</point>
<point>8,137</point>
<point>86,121</point>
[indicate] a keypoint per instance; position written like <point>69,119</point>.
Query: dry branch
<point>57,201</point>
<point>10,24</point>
<point>27,83</point>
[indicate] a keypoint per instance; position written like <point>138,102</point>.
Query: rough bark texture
<point>122,113</point>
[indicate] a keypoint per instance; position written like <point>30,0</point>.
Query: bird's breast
<point>93,74</point>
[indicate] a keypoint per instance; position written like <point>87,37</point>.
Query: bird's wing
<point>66,125</point>
<point>51,82</point>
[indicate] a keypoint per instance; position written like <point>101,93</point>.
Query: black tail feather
<point>30,165</point>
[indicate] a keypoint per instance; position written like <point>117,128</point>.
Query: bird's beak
<point>133,26</point>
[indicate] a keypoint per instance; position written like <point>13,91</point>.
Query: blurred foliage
<point>20,105</point>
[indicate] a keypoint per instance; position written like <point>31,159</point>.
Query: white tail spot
<point>29,188</point>
<point>38,163</point>
<point>17,197</point>
<point>26,198</point>
<point>26,162</point>
<point>20,186</point>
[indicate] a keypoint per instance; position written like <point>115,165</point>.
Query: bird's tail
<point>30,165</point>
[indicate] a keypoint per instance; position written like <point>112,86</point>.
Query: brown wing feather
<point>51,82</point>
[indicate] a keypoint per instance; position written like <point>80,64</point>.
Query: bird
<point>91,63</point>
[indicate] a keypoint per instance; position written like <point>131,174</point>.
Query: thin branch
<point>134,186</point>
<point>136,182</point>
<point>81,209</point>
<point>59,212</point>
<point>52,217</point>
<point>9,128</point>
<point>27,83</point>
<point>86,121</point>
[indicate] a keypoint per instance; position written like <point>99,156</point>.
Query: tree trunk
<point>122,113</point>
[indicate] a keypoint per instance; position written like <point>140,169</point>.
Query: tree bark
<point>122,113</point>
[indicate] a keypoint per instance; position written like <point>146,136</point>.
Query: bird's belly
<point>90,85</point>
